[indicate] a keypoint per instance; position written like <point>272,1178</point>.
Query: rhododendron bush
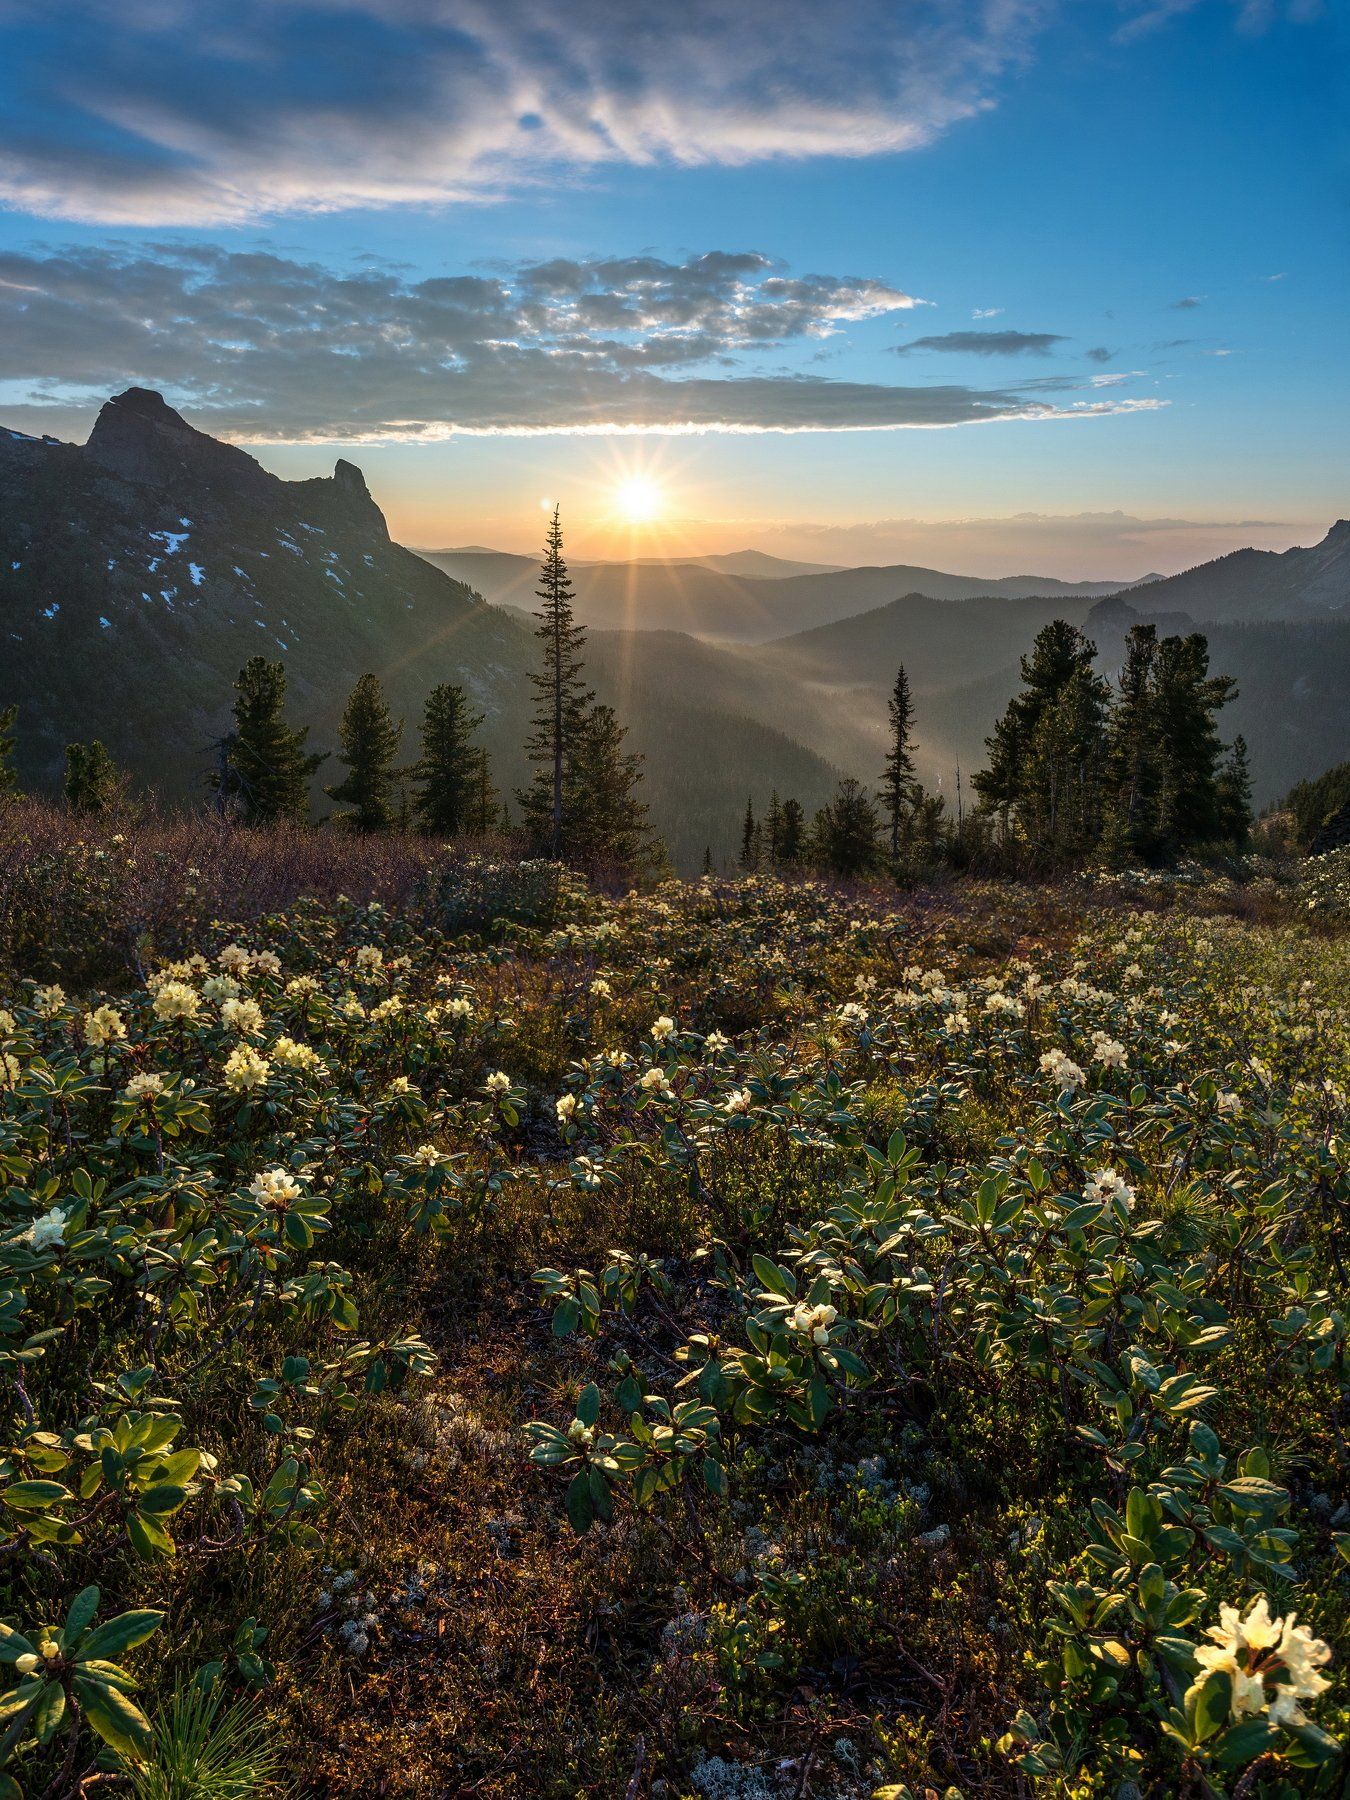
<point>863,1345</point>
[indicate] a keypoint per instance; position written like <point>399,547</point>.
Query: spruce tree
<point>9,778</point>
<point>370,740</point>
<point>748,835</point>
<point>900,791</point>
<point>1047,754</point>
<point>1186,698</point>
<point>1235,795</point>
<point>609,823</point>
<point>265,769</point>
<point>847,832</point>
<point>92,781</point>
<point>794,833</point>
<point>449,777</point>
<point>773,831</point>
<point>561,702</point>
<point>1134,768</point>
<point>707,859</point>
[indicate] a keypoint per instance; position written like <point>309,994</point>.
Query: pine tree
<point>1186,698</point>
<point>847,831</point>
<point>1235,795</point>
<point>92,780</point>
<point>265,769</point>
<point>707,859</point>
<point>609,823</point>
<point>370,740</point>
<point>794,834</point>
<point>9,778</point>
<point>449,777</point>
<point>773,831</point>
<point>1047,754</point>
<point>561,702</point>
<point>1134,768</point>
<point>748,836</point>
<point>900,791</point>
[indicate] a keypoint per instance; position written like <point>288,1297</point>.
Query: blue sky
<point>1114,234</point>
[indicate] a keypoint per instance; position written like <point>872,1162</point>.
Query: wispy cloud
<point>157,112</point>
<point>1250,16</point>
<point>987,312</point>
<point>1188,302</point>
<point>263,347</point>
<point>986,343</point>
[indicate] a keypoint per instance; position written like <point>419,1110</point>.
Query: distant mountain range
<point>140,570</point>
<point>719,597</point>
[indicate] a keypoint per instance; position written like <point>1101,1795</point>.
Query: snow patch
<point>197,572</point>
<point>172,541</point>
<point>105,623</point>
<point>50,612</point>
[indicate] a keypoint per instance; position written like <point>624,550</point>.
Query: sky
<point>1002,286</point>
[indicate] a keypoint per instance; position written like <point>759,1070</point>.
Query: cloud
<point>1251,16</point>
<point>1188,302</point>
<point>266,348</point>
<point>159,112</point>
<point>986,343</point>
<point>986,312</point>
<point>1099,354</point>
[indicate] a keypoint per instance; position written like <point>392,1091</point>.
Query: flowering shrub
<point>942,1315</point>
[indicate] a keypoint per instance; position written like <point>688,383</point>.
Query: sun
<point>638,499</point>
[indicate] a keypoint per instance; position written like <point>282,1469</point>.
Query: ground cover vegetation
<point>475,1334</point>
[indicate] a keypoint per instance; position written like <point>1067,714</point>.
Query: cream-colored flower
<point>144,1087</point>
<point>275,1187</point>
<point>176,1000</point>
<point>565,1106</point>
<point>49,1000</point>
<point>245,1069</point>
<point>663,1028</point>
<point>243,1017</point>
<point>234,959</point>
<point>499,1082</point>
<point>103,1025</point>
<point>292,1055</point>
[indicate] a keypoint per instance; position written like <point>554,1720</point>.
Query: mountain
<point>140,570</point>
<point>1260,584</point>
<point>722,603</point>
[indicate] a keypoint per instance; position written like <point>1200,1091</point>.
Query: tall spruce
<point>1235,795</point>
<point>265,769</point>
<point>793,843</point>
<point>9,778</point>
<point>1047,754</point>
<point>450,777</point>
<point>1186,701</point>
<point>748,829</point>
<point>900,791</point>
<point>92,781</point>
<point>561,702</point>
<point>1134,764</point>
<point>773,831</point>
<point>370,739</point>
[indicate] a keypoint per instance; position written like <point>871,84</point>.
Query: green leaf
<point>13,1644</point>
<point>588,1404</point>
<point>580,1510</point>
<point>35,1496</point>
<point>123,1633</point>
<point>117,1720</point>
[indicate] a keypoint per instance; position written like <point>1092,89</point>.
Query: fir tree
<point>450,776</point>
<point>748,835</point>
<point>609,822</point>
<point>265,769</point>
<point>1235,796</point>
<point>561,702</point>
<point>1186,699</point>
<point>92,781</point>
<point>9,778</point>
<point>707,859</point>
<point>900,791</point>
<point>370,740</point>
<point>846,832</point>
<point>773,831</point>
<point>1047,753</point>
<point>1134,768</point>
<point>793,841</point>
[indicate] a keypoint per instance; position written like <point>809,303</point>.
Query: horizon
<point>709,311</point>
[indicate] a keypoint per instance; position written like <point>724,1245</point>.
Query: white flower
<point>292,1055</point>
<point>143,1087</point>
<point>600,989</point>
<point>234,959</point>
<point>1064,1071</point>
<point>716,1042</point>
<point>9,1070</point>
<point>740,1100</point>
<point>1108,1052</point>
<point>48,1230</point>
<point>275,1187</point>
<point>1106,1186</point>
<point>565,1106</point>
<point>663,1028</point>
<point>812,1321</point>
<point>1258,1650</point>
<point>370,958</point>
<point>654,1082</point>
<point>387,1009</point>
<point>499,1082</point>
<point>267,962</point>
<point>49,1000</point>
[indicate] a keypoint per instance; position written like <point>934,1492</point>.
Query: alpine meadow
<point>674,901</point>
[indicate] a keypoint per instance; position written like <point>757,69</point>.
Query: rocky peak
<point>140,437</point>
